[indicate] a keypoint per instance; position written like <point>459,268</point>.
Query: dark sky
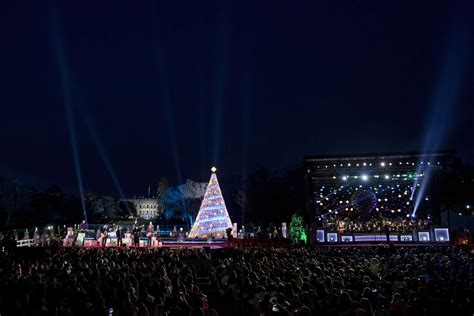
<point>171,88</point>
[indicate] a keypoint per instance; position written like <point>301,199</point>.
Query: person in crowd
<point>427,280</point>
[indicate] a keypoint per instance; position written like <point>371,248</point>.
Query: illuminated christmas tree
<point>212,219</point>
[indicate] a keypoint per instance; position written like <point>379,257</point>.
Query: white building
<point>147,208</point>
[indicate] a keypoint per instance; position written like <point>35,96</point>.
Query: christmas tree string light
<point>212,219</point>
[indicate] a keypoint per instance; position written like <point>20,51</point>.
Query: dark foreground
<point>278,281</point>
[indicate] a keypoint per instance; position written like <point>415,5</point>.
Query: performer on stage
<point>149,233</point>
<point>119,236</point>
<point>104,238</point>
<point>136,237</point>
<point>387,232</point>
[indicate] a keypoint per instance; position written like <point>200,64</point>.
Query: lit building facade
<point>147,208</point>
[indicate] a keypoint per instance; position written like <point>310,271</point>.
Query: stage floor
<point>424,244</point>
<point>177,245</point>
<point>168,245</point>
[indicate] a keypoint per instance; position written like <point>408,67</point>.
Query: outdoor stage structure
<point>367,186</point>
<point>212,219</point>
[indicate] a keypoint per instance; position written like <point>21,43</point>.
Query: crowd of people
<point>251,281</point>
<point>379,224</point>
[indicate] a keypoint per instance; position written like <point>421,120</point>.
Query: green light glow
<point>297,230</point>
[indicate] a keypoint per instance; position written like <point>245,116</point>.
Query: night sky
<point>169,89</point>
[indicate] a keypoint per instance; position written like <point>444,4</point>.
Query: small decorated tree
<point>57,231</point>
<point>297,230</point>
<point>45,238</point>
<point>37,237</point>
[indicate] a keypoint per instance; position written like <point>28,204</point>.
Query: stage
<point>365,245</point>
<point>432,236</point>
<point>144,243</point>
<point>170,246</point>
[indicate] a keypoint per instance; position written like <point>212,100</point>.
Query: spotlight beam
<point>160,63</point>
<point>245,134</point>
<point>166,101</point>
<point>444,99</point>
<point>102,153</point>
<point>68,106</point>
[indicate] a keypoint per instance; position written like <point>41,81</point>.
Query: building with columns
<point>147,208</point>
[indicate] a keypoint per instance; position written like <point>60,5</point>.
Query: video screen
<point>365,201</point>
